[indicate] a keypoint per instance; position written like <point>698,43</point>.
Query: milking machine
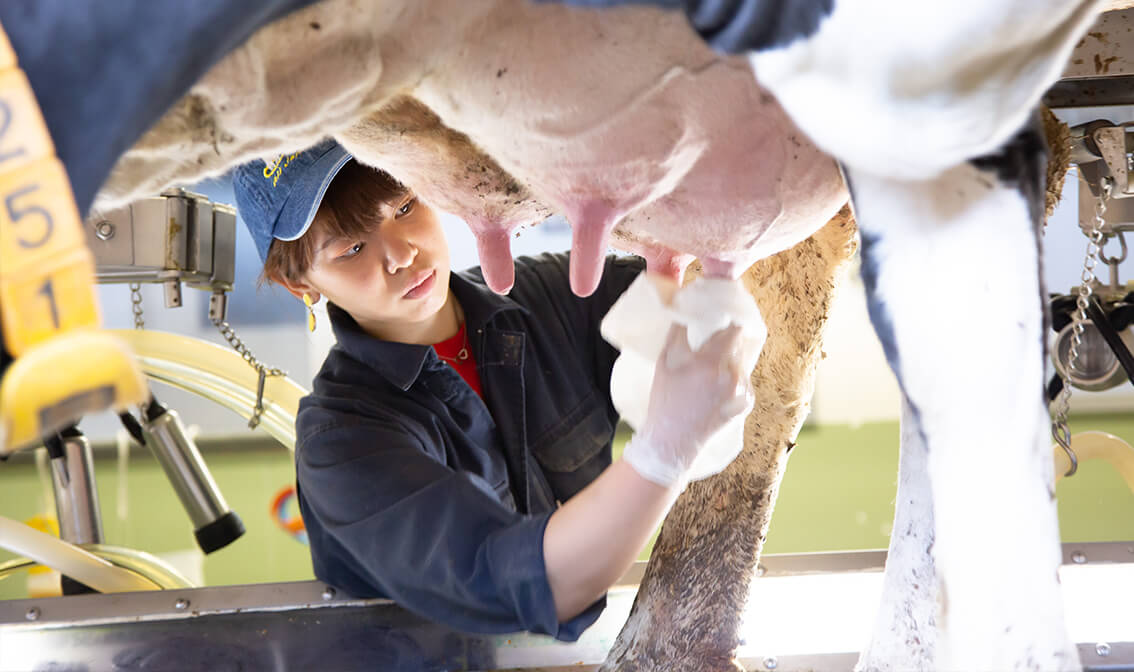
<point>176,237</point>
<point>1092,347</point>
<point>173,238</point>
<point>1093,324</point>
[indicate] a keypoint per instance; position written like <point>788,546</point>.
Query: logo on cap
<point>273,169</point>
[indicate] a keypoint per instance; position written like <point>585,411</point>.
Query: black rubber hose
<point>54,445</point>
<point>1054,387</point>
<point>1122,316</point>
<point>133,427</point>
<point>1062,306</point>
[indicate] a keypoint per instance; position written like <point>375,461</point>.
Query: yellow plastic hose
<point>1098,446</point>
<point>217,374</point>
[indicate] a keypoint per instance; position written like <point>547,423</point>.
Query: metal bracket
<point>179,236</point>
<point>1112,146</point>
<point>308,625</point>
<point>1101,68</point>
<point>218,306</point>
<point>1102,152</point>
<point>172,293</point>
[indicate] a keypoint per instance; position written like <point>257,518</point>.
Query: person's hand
<point>694,395</point>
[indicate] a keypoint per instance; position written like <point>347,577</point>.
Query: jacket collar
<point>401,363</point>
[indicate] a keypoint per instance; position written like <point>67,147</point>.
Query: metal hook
<point>1113,262</point>
<point>1062,436</point>
<point>1122,245</point>
<point>254,421</point>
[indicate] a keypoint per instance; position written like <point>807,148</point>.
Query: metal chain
<point>136,300</point>
<point>1059,428</point>
<point>262,370</point>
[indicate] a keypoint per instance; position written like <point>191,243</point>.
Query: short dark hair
<point>351,207</point>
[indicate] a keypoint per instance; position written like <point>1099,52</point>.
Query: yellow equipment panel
<point>64,367</point>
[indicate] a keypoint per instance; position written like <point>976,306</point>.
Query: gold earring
<point>310,313</point>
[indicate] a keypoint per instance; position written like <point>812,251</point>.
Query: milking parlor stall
<point>148,509</point>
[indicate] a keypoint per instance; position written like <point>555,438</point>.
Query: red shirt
<point>458,354</point>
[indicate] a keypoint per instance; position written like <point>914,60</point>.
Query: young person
<point>455,452</point>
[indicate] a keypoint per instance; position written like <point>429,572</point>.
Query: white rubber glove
<point>693,396</point>
<point>639,326</point>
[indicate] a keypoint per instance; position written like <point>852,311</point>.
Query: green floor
<point>838,492</point>
<point>837,495</point>
<point>155,521</point>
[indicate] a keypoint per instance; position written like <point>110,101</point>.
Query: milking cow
<point>626,122</point>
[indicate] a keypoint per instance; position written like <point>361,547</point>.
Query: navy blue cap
<point>279,199</point>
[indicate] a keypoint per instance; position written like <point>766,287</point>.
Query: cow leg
<point>905,630</point>
<point>688,610</point>
<point>952,273</point>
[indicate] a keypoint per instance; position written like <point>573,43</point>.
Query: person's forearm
<point>594,537</point>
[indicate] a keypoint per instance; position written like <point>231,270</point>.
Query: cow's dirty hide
<point>688,609</point>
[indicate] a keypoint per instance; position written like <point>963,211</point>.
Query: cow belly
<point>682,146</point>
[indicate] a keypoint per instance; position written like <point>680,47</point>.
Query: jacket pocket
<point>575,451</point>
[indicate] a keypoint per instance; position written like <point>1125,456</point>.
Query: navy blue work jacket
<point>414,489</point>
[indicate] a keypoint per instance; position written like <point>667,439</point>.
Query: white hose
<point>68,559</point>
<point>149,567</point>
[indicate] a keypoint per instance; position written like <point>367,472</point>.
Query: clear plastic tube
<point>1095,445</point>
<point>69,559</point>
<point>219,375</point>
<point>149,567</point>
